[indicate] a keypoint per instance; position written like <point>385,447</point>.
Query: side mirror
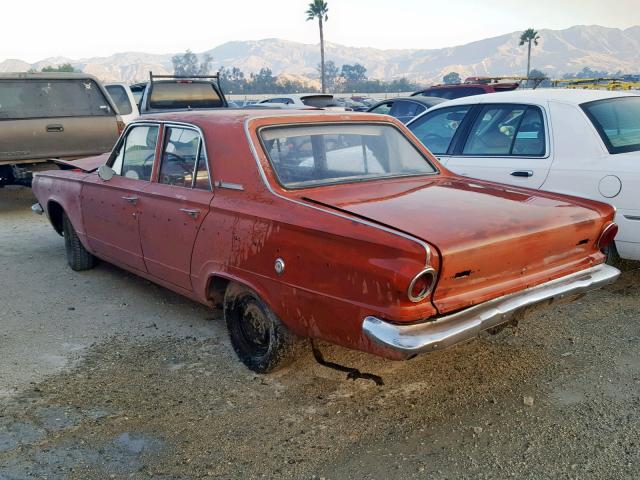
<point>105,173</point>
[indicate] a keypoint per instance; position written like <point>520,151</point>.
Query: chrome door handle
<point>522,173</point>
<point>132,200</point>
<point>191,212</point>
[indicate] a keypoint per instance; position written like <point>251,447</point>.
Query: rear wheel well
<point>56,212</point>
<point>217,289</point>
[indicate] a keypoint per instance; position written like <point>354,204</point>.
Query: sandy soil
<point>105,375</point>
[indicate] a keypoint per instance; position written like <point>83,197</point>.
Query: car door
<point>111,209</point>
<point>175,205</point>
<point>506,143</point>
<point>438,129</point>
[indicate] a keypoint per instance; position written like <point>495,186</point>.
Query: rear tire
<point>78,257</point>
<point>260,339</point>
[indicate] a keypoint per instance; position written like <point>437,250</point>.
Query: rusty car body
<point>333,226</point>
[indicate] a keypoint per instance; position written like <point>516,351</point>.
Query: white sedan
<point>579,142</point>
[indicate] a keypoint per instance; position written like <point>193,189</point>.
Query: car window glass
<point>184,94</point>
<point>617,121</point>
<point>382,109</point>
<point>179,154</point>
<point>402,108</point>
<point>21,99</point>
<point>321,154</point>
<point>202,173</point>
<point>504,130</point>
<point>137,151</point>
<point>453,92</point>
<point>530,139</point>
<point>119,96</point>
<point>436,129</point>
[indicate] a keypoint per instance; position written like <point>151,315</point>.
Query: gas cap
<point>610,186</point>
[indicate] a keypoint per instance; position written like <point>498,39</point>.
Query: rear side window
<point>184,94</point>
<point>383,109</point>
<point>453,92</point>
<point>617,121</point>
<point>119,96</point>
<point>22,99</point>
<point>436,129</point>
<point>507,130</point>
<point>402,108</point>
<point>183,160</point>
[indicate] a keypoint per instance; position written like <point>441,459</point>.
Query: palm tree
<point>319,9</point>
<point>528,36</point>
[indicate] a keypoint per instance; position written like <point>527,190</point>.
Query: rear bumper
<point>409,340</point>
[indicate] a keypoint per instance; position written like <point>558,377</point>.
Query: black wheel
<point>77,256</point>
<point>259,338</point>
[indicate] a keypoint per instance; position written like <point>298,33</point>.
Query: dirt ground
<point>105,375</point>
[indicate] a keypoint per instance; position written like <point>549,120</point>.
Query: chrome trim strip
<point>263,175</point>
<point>229,185</point>
<point>632,217</point>
<point>442,332</point>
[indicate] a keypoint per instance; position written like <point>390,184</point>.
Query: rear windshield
<point>184,94</point>
<point>119,96</point>
<point>311,155</point>
<point>617,121</point>
<point>28,98</point>
<point>453,92</point>
<point>319,101</point>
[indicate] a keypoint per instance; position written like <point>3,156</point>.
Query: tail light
<point>422,285</point>
<point>607,236</point>
<point>121,125</point>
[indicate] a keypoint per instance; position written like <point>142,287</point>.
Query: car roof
<point>236,115</point>
<point>428,101</point>
<point>564,95</point>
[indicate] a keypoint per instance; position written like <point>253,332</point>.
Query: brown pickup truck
<point>52,115</point>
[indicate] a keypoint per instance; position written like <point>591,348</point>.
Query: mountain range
<point>558,52</point>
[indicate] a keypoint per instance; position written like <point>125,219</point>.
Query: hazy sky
<point>34,29</point>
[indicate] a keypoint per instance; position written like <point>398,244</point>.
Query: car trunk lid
<point>493,239</point>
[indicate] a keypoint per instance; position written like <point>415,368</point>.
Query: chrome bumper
<point>37,208</point>
<point>442,332</point>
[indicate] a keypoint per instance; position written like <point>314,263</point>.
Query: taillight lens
<point>607,236</point>
<point>422,285</point>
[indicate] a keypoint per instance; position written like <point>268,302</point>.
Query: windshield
<point>184,94</point>
<point>617,121</point>
<point>311,155</point>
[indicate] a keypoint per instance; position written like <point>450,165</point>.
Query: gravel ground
<point>105,375</point>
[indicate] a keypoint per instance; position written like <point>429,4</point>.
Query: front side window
<point>436,129</point>
<point>135,157</point>
<point>617,121</point>
<point>506,130</point>
<point>27,98</point>
<point>119,96</point>
<point>313,155</point>
<point>183,161</point>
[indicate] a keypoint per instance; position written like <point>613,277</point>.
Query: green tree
<point>65,67</point>
<point>528,37</point>
<point>319,9</point>
<point>537,78</point>
<point>187,64</point>
<point>451,78</point>
<point>331,74</point>
<point>353,73</point>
